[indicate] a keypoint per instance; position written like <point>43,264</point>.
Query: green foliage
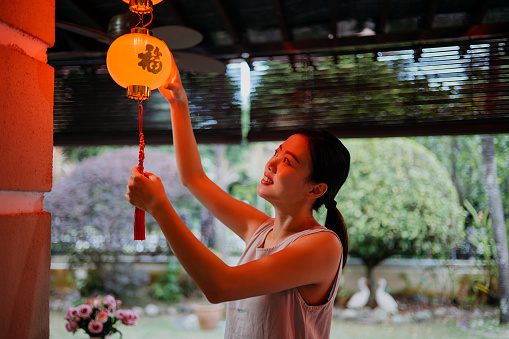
<point>90,285</point>
<point>166,287</point>
<point>79,153</point>
<point>462,157</point>
<point>174,284</point>
<point>102,272</point>
<point>399,199</point>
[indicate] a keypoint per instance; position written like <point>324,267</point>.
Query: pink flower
<point>71,313</point>
<point>120,314</point>
<point>71,326</point>
<point>94,302</point>
<point>84,311</point>
<point>130,318</point>
<point>110,302</point>
<point>102,316</point>
<point>95,326</point>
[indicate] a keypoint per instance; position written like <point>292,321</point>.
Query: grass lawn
<point>171,327</point>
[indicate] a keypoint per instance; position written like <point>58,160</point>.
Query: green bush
<point>399,200</point>
<point>174,284</point>
<point>90,285</point>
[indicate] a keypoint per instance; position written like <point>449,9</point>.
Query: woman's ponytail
<point>335,222</point>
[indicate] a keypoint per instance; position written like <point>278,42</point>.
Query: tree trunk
<point>370,277</point>
<point>455,150</point>
<point>207,228</point>
<point>498,224</point>
<point>222,181</point>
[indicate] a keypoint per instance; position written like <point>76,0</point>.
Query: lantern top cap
<point>141,30</point>
<point>155,2</point>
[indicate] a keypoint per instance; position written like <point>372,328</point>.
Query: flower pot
<point>208,315</point>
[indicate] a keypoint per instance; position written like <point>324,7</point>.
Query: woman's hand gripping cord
<point>145,191</point>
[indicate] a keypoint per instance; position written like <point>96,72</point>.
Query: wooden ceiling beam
<point>383,18</point>
<point>177,11</point>
<point>231,27</point>
<point>333,10</point>
<point>74,44</point>
<point>481,7</point>
<point>286,33</point>
<point>436,37</point>
<point>89,14</point>
<point>429,16</point>
<point>283,26</point>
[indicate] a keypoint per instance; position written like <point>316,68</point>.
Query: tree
<point>499,231</point>
<point>399,200</point>
<point>93,222</point>
<point>462,156</point>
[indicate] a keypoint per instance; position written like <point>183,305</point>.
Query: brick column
<point>27,29</point>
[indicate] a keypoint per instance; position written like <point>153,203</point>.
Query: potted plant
<point>208,314</point>
<point>98,317</point>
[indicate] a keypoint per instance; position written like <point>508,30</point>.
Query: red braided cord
<point>139,215</point>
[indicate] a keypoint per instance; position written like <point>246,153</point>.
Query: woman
<point>285,283</point>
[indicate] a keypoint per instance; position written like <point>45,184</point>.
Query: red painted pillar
<point>27,29</point>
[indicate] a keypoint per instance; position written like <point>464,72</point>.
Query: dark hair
<point>330,165</point>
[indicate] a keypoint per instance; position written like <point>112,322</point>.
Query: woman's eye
<point>275,153</point>
<point>287,161</point>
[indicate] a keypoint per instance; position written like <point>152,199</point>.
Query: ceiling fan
<point>176,38</point>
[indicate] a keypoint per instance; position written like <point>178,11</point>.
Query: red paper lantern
<point>139,62</point>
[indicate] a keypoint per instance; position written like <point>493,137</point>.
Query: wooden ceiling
<point>301,34</point>
<point>264,28</point>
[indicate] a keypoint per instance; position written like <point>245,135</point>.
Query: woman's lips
<point>266,180</point>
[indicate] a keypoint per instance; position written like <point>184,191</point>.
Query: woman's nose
<point>272,165</point>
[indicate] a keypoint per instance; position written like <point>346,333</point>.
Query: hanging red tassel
<point>139,214</point>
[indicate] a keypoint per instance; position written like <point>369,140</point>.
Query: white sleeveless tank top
<point>283,314</point>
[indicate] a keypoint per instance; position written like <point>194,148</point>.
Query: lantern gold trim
<point>140,6</point>
<point>141,30</point>
<point>138,92</point>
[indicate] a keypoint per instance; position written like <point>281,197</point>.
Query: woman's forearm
<point>186,149</point>
<point>203,266</point>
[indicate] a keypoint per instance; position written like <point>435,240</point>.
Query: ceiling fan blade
<point>85,31</point>
<point>178,37</point>
<point>198,63</point>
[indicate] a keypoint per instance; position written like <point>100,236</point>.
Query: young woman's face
<point>286,174</point>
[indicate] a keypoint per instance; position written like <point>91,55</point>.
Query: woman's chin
<point>261,190</point>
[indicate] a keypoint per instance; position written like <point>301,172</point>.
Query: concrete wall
<point>414,276</point>
<point>424,277</point>
<point>27,29</point>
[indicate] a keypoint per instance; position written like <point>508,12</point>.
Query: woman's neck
<point>287,224</point>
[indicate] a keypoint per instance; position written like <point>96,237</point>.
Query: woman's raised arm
<point>242,218</point>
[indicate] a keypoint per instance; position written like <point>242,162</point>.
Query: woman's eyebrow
<point>293,155</point>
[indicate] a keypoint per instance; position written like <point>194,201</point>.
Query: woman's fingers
<point>134,172</point>
<point>144,191</point>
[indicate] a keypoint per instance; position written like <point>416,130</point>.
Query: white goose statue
<point>359,299</point>
<point>384,300</point>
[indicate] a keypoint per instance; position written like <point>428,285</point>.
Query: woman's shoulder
<point>262,229</point>
<point>321,231</point>
<point>265,226</point>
